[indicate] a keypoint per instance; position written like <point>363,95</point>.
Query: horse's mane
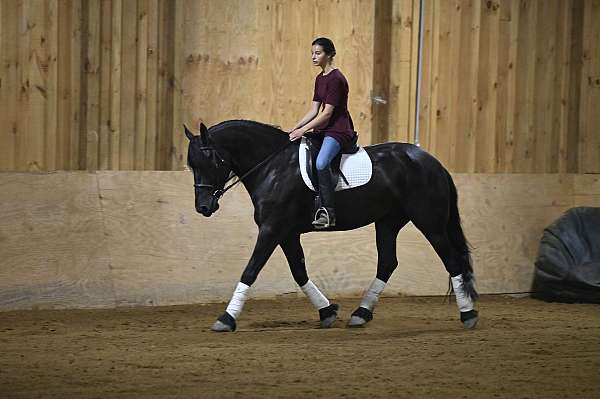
<point>257,127</point>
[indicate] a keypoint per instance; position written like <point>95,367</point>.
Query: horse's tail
<point>459,241</point>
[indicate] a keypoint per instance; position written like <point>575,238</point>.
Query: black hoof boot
<point>328,315</point>
<point>360,317</point>
<point>469,319</point>
<point>225,323</point>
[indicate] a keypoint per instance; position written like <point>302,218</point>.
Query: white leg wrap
<point>237,300</point>
<point>464,303</point>
<point>372,295</point>
<point>315,296</point>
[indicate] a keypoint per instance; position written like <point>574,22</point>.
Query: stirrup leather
<point>322,219</point>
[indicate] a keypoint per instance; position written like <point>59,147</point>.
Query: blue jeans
<point>329,149</point>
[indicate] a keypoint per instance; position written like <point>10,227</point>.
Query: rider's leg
<point>325,217</point>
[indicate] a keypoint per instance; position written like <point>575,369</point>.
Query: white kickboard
<point>356,167</point>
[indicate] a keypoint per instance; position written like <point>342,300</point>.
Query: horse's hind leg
<point>453,262</point>
<point>386,231</point>
<point>295,256</point>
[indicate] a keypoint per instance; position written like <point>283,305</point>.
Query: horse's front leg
<point>295,256</point>
<point>265,245</point>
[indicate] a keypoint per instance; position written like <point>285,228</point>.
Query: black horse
<point>407,184</point>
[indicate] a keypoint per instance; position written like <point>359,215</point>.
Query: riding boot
<point>325,215</point>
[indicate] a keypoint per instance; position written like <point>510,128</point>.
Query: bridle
<point>218,193</point>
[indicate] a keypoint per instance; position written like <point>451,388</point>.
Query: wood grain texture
<point>38,269</point>
<point>509,86</point>
<point>92,73</point>
<point>133,238</point>
<point>513,75</point>
<point>104,129</point>
<point>590,90</point>
<point>9,86</point>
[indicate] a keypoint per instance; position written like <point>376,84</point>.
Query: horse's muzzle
<point>206,210</point>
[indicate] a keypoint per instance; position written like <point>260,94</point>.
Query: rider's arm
<point>321,119</point>
<point>309,116</point>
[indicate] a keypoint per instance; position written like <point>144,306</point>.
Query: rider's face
<point>319,58</point>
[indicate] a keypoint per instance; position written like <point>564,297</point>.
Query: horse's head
<point>211,171</point>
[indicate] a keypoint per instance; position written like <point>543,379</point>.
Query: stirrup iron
<point>323,219</point>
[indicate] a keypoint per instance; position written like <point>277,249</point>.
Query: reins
<point>220,192</point>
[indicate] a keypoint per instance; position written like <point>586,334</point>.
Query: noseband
<point>218,193</point>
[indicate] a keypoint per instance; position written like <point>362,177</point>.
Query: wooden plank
<point>5,138</point>
<point>178,159</point>
<point>128,81</point>
<point>35,137</point>
<point>401,97</point>
<point>104,132</point>
<point>23,79</point>
<point>525,161</point>
<point>428,82</point>
<point>442,97</point>
<point>165,102</point>
<point>356,61</point>
<point>590,90</point>
<point>456,74</point>
<point>51,111</point>
<point>397,71</point>
<point>380,107</point>
<point>92,76</point>
<point>141,89</point>
<point>10,87</point>
<point>135,230</point>
<point>115,84</point>
<point>69,265</point>
<point>555,71</point>
<point>414,64</point>
<point>77,145</point>
<point>470,37</point>
<point>502,84</point>
<point>64,110</point>
<point>524,93</point>
<point>575,77</point>
<point>152,115</point>
<point>563,66</point>
<point>484,123</point>
<point>543,92</point>
<point>512,87</point>
<point>30,133</point>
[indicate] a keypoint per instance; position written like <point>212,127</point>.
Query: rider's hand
<point>296,134</point>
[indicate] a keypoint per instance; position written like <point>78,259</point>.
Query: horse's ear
<point>188,134</point>
<point>203,134</point>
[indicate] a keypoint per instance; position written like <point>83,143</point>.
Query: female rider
<point>333,123</point>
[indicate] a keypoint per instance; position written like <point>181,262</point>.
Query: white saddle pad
<point>356,167</point>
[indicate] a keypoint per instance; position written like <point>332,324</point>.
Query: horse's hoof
<point>469,319</point>
<point>360,317</point>
<point>328,315</point>
<point>225,323</point>
<point>356,321</point>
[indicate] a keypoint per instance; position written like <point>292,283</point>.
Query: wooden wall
<point>88,84</point>
<point>114,238</point>
<point>251,59</point>
<point>508,85</point>
<point>511,85</point>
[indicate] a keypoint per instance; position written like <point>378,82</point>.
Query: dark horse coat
<point>407,184</point>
